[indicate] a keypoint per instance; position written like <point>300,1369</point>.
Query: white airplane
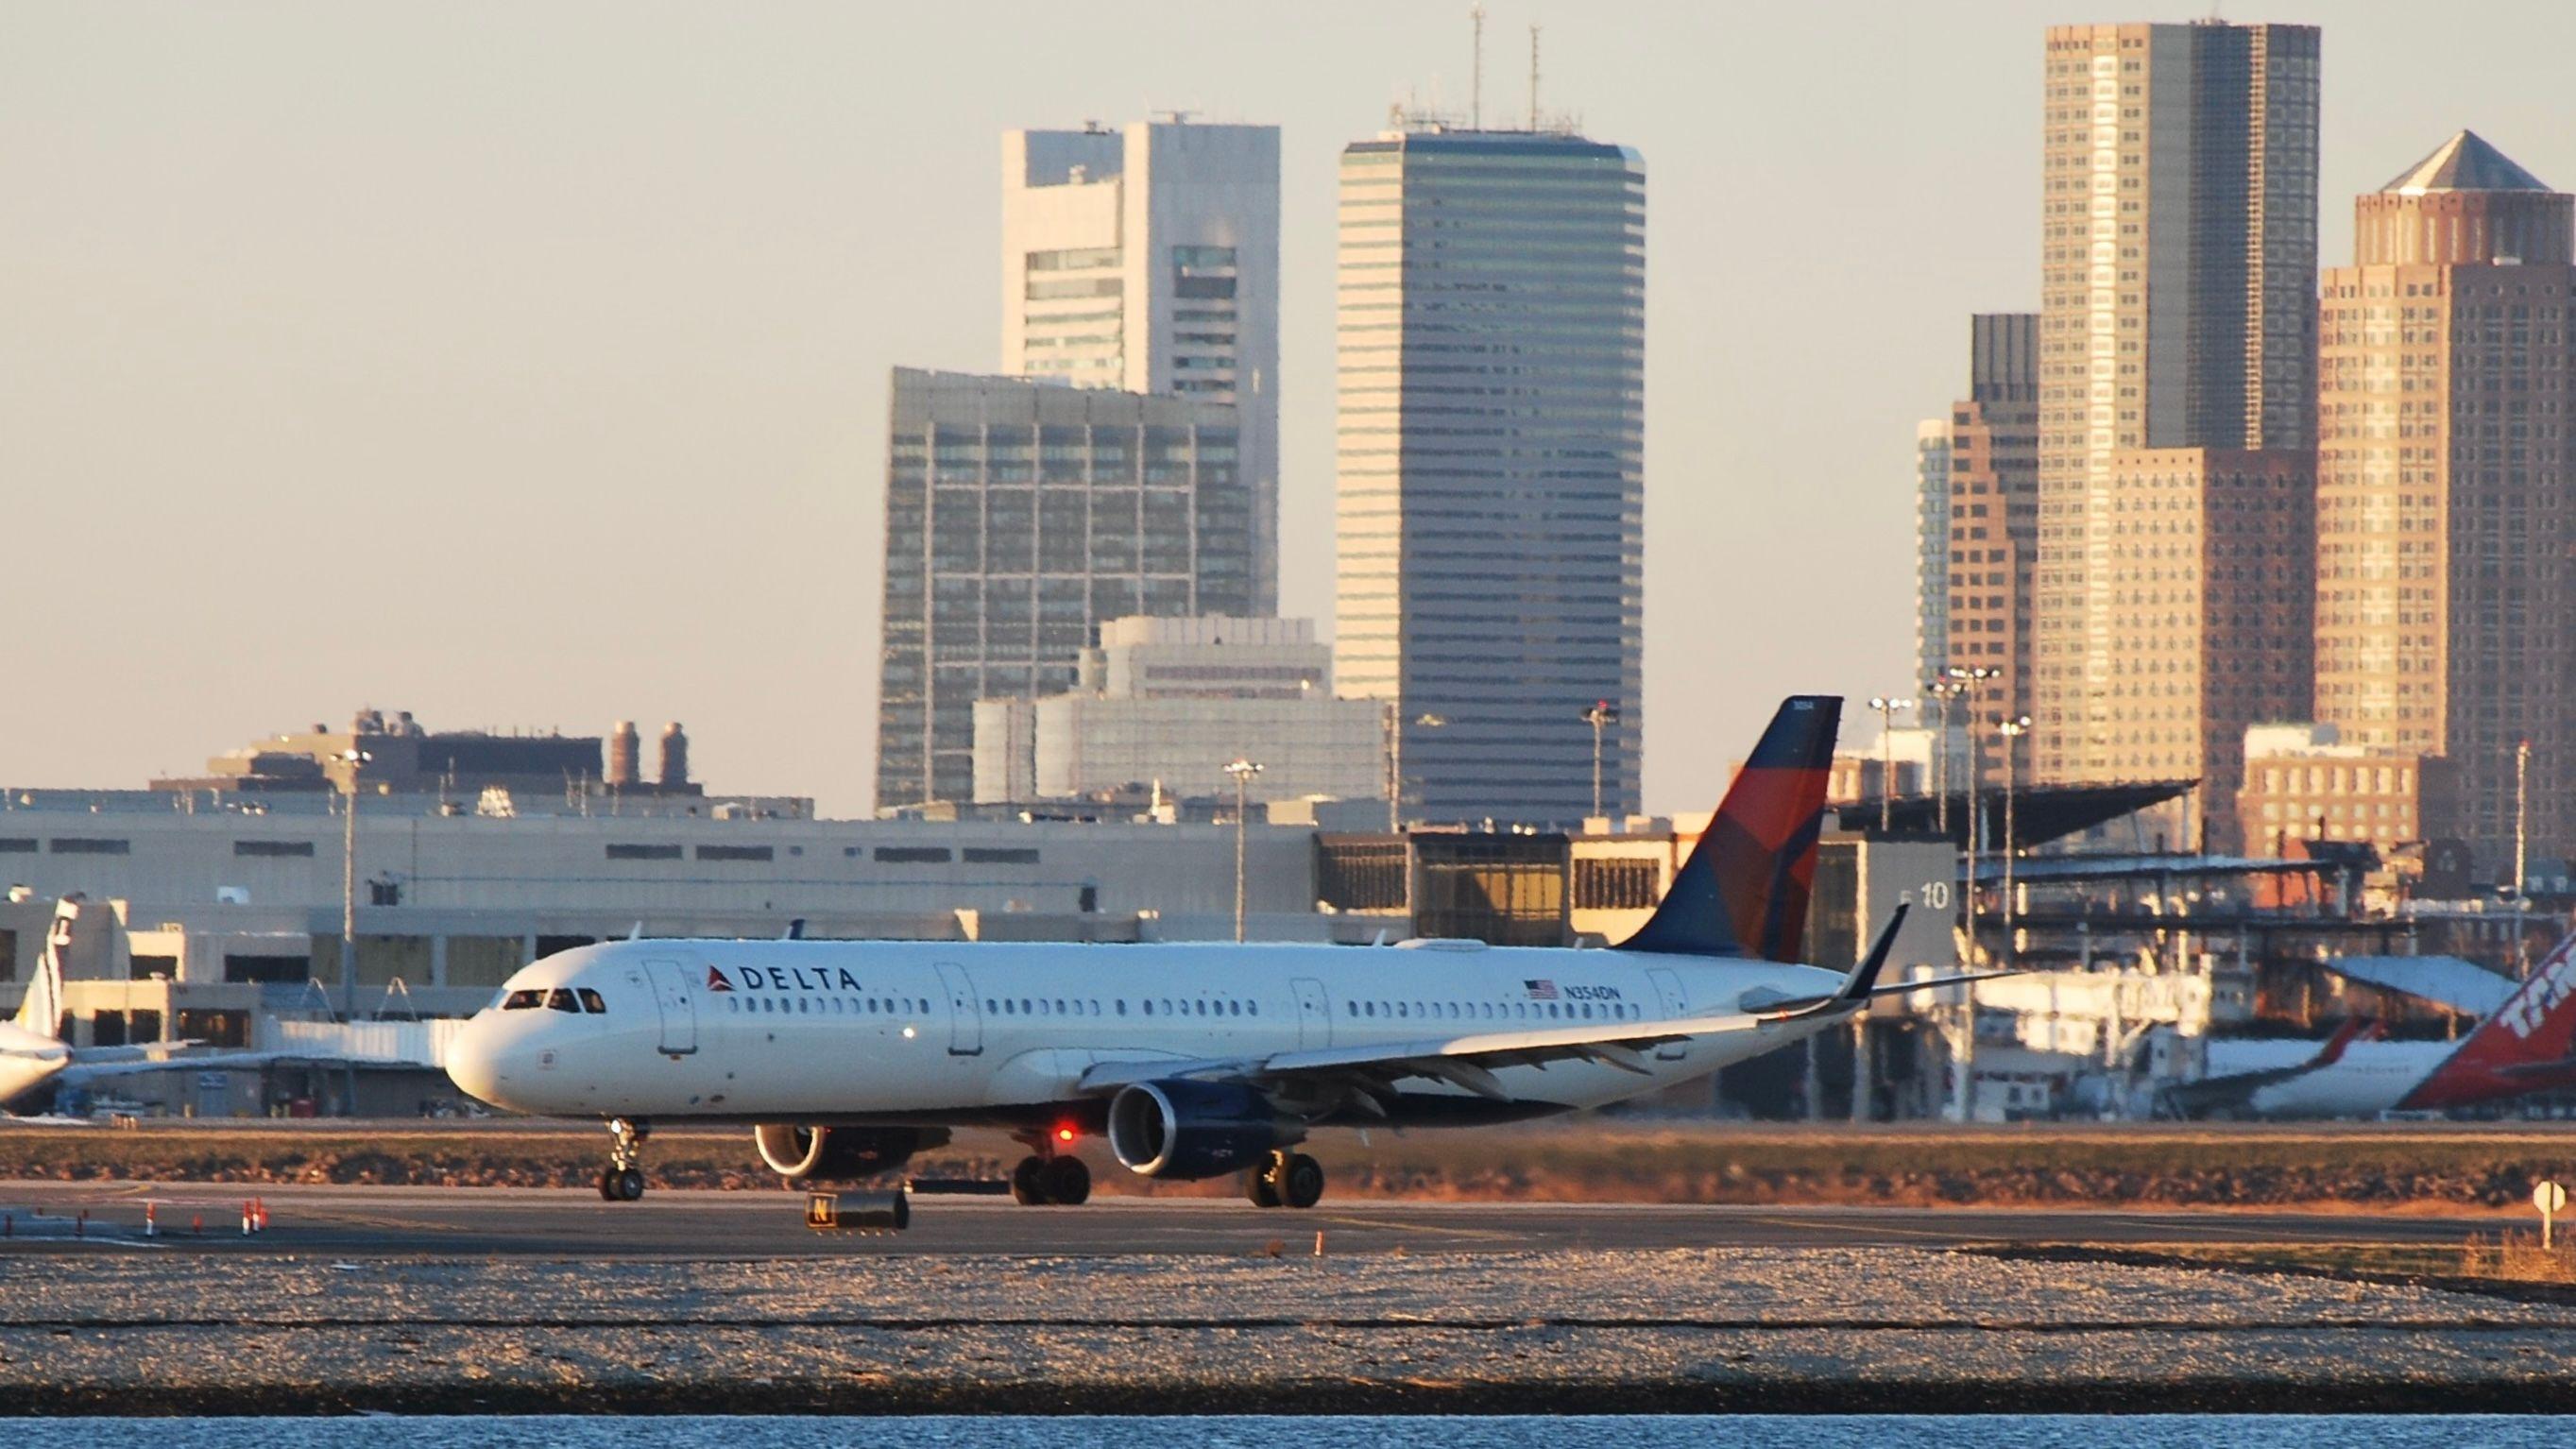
<point>2527,1044</point>
<point>1193,1060</point>
<point>32,1049</point>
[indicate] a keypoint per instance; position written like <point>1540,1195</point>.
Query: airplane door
<point>1314,1014</point>
<point>678,1005</point>
<point>1668,986</point>
<point>965,1014</point>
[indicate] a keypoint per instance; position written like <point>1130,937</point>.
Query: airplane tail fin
<point>1743,891</point>
<point>2533,1035</point>
<point>41,1012</point>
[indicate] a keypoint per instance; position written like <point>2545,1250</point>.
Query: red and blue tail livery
<point>1743,892</point>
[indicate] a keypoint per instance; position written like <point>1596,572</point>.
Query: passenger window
<point>561,1000</point>
<point>1252,1008</point>
<point>1122,1006</point>
<point>523,1000</point>
<point>732,1005</point>
<point>1024,1006</point>
<point>1059,1006</point>
<point>591,1002</point>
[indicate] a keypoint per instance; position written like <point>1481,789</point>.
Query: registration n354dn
<point>1192,1060</point>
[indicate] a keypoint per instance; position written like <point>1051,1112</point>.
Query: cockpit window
<point>523,1000</point>
<point>591,1003</point>
<point>561,1000</point>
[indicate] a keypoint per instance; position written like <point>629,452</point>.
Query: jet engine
<point>1184,1129</point>
<point>839,1154</point>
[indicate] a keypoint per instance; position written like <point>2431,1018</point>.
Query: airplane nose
<point>474,1061</point>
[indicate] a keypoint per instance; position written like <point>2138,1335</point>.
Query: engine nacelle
<point>839,1154</point>
<point>1184,1129</point>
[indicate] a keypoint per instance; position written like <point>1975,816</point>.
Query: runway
<point>420,1222</point>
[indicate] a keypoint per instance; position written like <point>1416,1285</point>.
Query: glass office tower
<point>1491,389</point>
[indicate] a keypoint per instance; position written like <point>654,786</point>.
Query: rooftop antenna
<point>1476,101</point>
<point>1533,78</point>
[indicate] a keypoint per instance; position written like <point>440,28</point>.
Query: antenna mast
<point>1533,122</point>
<point>1476,102</point>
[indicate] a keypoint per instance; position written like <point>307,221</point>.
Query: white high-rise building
<point>1148,260</point>
<point>1166,703</point>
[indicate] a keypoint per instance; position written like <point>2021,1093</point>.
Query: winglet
<point>2345,1035</point>
<point>1863,981</point>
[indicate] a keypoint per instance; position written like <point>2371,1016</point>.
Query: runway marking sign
<point>2551,1199</point>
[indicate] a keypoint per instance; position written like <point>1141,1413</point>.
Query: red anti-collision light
<point>1064,1134</point>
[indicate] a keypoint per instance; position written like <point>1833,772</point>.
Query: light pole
<point>2012,730</point>
<point>1395,759</point>
<point>1600,716</point>
<point>1886,708</point>
<point>356,760</point>
<point>2521,855</point>
<point>1242,770</point>
<point>1942,691</point>
<point>1966,681</point>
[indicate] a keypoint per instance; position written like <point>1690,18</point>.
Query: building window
<point>912,855</point>
<point>643,852</point>
<point>17,845</point>
<point>88,845</point>
<point>735,852</point>
<point>273,847</point>
<point>1001,855</point>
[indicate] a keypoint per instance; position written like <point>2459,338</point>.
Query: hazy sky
<point>526,365</point>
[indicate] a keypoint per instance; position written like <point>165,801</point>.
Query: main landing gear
<point>1046,1176</point>
<point>1288,1179</point>
<point>622,1180</point>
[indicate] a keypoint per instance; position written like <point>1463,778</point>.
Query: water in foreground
<point>1757,1431</point>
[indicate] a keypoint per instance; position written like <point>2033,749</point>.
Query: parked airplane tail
<point>1743,891</point>
<point>41,1011</point>
<point>2528,1044</point>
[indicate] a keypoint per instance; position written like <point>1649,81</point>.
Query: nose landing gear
<point>622,1180</point>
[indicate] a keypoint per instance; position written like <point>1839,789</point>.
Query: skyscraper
<point>1931,547</point>
<point>1019,516</point>
<point>1492,488</point>
<point>1148,261</point>
<point>1993,442</point>
<point>2444,585</point>
<point>2178,261</point>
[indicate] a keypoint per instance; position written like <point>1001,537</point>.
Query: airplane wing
<point>2237,1089</point>
<point>83,1069</point>
<point>1469,1060</point>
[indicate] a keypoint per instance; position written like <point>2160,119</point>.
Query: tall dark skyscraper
<point>1492,486</point>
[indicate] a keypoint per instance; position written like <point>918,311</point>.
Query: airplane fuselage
<point>2370,1077</point>
<point>851,1033</point>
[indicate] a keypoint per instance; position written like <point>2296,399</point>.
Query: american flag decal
<point>1541,990</point>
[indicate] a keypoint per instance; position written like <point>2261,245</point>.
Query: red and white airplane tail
<point>2528,1045</point>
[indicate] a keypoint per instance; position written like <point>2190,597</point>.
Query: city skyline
<point>364,358</point>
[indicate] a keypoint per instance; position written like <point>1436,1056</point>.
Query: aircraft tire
<point>1067,1181</point>
<point>607,1182</point>
<point>630,1184</point>
<point>1261,1186</point>
<point>1301,1181</point>
<point>1028,1182</point>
